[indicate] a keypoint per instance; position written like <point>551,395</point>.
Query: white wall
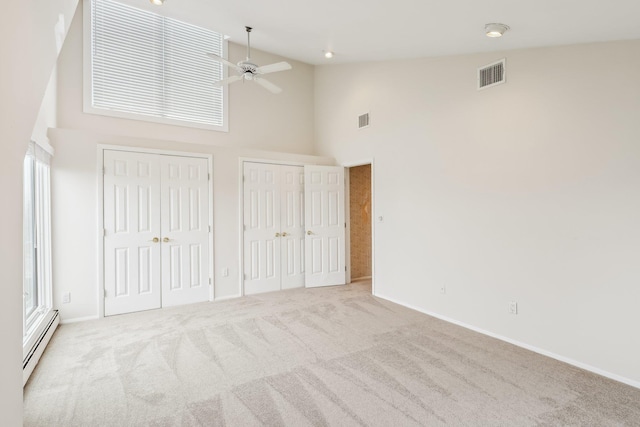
<point>526,192</point>
<point>47,115</point>
<point>262,126</point>
<point>28,50</point>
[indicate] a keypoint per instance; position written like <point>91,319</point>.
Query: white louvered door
<point>273,227</point>
<point>156,220</point>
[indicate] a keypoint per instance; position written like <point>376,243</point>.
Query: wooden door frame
<point>347,192</point>
<point>100,231</point>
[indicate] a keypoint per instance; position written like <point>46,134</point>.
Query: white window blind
<point>146,64</point>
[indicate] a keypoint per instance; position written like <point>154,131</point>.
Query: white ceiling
<point>374,30</point>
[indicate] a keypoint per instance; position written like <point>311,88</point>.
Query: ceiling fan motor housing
<point>248,69</point>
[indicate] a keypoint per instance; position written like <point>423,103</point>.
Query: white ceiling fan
<point>250,71</point>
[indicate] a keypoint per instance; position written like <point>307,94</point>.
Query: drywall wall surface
<point>48,112</point>
<point>75,176</point>
<point>257,118</point>
<point>28,48</point>
<point>524,192</point>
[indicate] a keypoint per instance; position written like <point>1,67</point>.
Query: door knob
<point>309,232</point>
<point>277,234</point>
<point>284,234</point>
<point>166,239</point>
<point>155,240</point>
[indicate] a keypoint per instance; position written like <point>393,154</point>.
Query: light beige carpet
<point>331,356</point>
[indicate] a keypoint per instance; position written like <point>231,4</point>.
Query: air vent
<point>492,74</point>
<point>363,120</point>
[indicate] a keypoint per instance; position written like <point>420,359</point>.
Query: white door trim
<point>100,207</point>
<point>371,162</point>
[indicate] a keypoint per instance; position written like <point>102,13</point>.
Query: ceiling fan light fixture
<point>495,29</point>
<point>157,2</point>
<point>247,70</point>
<point>328,54</point>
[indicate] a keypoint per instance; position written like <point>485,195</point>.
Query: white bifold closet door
<point>279,252</point>
<point>156,231</point>
<point>325,224</point>
<point>273,243</point>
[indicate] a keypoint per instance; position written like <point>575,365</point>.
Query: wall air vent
<point>363,120</point>
<point>492,74</point>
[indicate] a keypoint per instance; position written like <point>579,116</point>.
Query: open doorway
<point>360,231</point>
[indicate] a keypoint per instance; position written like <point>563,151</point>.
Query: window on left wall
<point>37,286</point>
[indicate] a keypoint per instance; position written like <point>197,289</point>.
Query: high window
<point>37,304</point>
<point>149,67</point>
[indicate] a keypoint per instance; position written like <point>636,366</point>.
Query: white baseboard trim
<point>586,367</point>
<point>78,319</point>
<point>33,358</point>
<point>227,298</point>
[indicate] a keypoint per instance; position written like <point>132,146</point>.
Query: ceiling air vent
<point>492,74</point>
<point>363,120</point>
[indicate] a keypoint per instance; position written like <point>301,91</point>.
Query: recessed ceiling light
<point>157,2</point>
<point>495,30</point>
<point>328,54</point>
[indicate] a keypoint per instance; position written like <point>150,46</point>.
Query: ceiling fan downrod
<point>248,42</point>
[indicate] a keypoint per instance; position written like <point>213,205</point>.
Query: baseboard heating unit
<point>32,358</point>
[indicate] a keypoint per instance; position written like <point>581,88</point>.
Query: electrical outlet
<point>66,298</point>
<point>225,272</point>
<point>513,307</point>
<point>443,289</point>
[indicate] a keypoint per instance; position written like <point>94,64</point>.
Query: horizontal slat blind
<point>144,63</point>
<point>190,74</point>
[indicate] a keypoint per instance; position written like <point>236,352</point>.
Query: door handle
<point>277,234</point>
<point>309,232</point>
<point>155,240</point>
<point>166,239</point>
<point>284,234</point>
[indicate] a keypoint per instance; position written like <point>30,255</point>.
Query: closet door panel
<point>185,230</point>
<point>262,241</point>
<point>131,223</point>
<point>325,225</point>
<point>292,226</point>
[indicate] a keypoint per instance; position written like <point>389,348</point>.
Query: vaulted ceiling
<point>374,30</point>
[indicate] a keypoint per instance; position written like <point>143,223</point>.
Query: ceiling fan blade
<point>267,85</point>
<point>224,61</point>
<point>227,81</point>
<point>278,66</point>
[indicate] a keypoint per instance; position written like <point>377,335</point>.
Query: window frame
<point>39,182</point>
<point>30,271</point>
<point>88,84</point>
